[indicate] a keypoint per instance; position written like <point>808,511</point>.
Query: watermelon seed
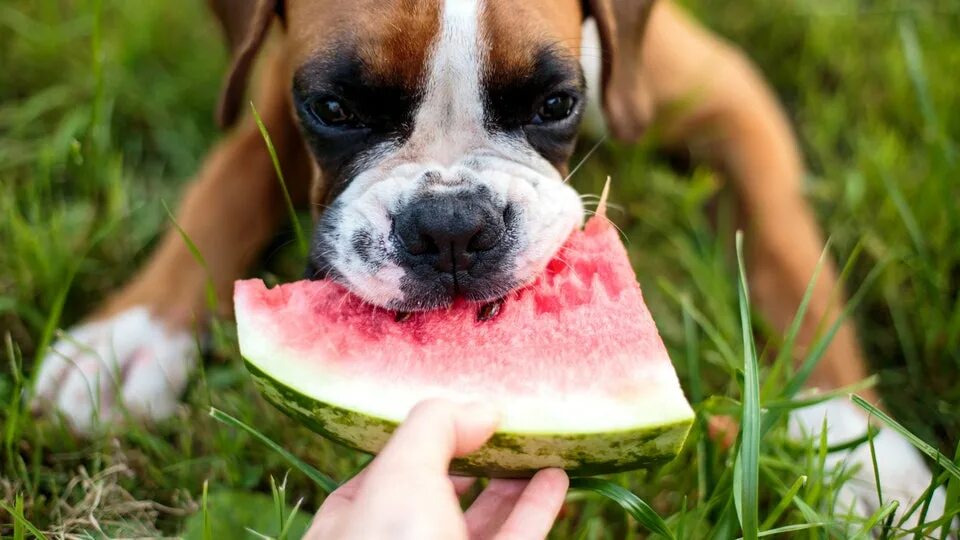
<point>402,316</point>
<point>489,310</point>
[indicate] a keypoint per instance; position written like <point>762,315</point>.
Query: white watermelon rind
<point>508,454</point>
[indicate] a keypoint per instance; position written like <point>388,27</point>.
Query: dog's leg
<point>711,99</point>
<point>139,348</point>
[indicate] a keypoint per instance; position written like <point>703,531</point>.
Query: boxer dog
<point>432,138</point>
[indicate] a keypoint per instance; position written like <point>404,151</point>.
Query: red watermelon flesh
<point>574,362</point>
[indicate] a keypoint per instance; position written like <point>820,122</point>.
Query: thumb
<point>435,432</point>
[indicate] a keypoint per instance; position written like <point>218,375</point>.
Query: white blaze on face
<point>450,140</point>
<point>450,119</point>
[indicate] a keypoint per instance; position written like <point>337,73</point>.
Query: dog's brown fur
<point>731,119</point>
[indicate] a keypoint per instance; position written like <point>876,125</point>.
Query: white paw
<point>904,475</point>
<point>130,363</point>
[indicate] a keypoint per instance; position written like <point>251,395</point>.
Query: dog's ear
<point>245,23</point>
<point>627,107</point>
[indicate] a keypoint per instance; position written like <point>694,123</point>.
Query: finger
<point>492,508</point>
<point>335,507</point>
<point>537,507</point>
<point>433,433</point>
<point>408,483</point>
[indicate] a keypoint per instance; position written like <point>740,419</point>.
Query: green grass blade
<point>784,503</point>
<point>279,498</point>
<point>13,408</point>
<point>207,531</point>
<point>704,444</point>
<point>876,468</point>
<point>257,534</point>
<point>50,327</point>
<point>866,532</point>
<point>17,515</point>
<point>748,472</point>
<point>854,442</point>
<point>920,445</point>
<point>926,497</point>
<point>708,327</point>
<point>56,310</point>
<point>294,221</point>
<point>953,494</point>
<point>923,501</point>
<point>820,346</point>
<point>786,349</point>
<point>913,57</point>
<point>635,506</point>
<point>327,484</point>
<point>820,397</point>
<point>289,520</point>
<point>790,528</point>
<point>209,289</point>
<point>19,531</point>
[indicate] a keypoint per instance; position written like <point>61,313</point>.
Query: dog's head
<point>441,132</point>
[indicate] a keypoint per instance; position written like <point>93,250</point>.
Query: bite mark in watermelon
<point>573,361</point>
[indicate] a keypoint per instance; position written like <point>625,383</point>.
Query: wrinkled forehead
<point>390,42</point>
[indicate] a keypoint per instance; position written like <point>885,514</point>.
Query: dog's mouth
<point>486,311</point>
<point>492,278</point>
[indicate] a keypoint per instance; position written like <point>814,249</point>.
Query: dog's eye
<point>556,107</point>
<point>332,112</point>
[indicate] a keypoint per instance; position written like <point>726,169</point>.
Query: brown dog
<point>436,134</point>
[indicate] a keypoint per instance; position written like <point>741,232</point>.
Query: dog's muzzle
<point>455,243</point>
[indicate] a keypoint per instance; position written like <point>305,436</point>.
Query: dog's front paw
<point>130,363</point>
<point>904,476</point>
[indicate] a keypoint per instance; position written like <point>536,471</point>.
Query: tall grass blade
<point>288,523</point>
<point>19,531</point>
<point>920,445</point>
<point>784,503</point>
<point>56,310</point>
<point>820,346</point>
<point>12,420</point>
<point>633,505</point>
<point>703,321</point>
<point>704,444</point>
<point>294,221</point>
<point>914,59</point>
<point>923,502</point>
<point>53,319</point>
<point>790,528</point>
<point>786,349</point>
<point>209,289</point>
<point>17,515</point>
<point>327,484</point>
<point>820,397</point>
<point>748,472</point>
<point>207,531</point>
<point>953,494</point>
<point>867,530</point>
<point>876,468</point>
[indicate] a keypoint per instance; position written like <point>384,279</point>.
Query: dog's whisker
<point>585,158</point>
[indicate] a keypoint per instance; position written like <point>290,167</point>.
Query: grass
<point>106,109</point>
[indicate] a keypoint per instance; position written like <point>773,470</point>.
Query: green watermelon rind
<point>506,454</point>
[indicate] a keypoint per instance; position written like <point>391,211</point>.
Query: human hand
<point>406,492</point>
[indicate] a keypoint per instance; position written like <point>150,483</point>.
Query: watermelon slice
<point>573,361</point>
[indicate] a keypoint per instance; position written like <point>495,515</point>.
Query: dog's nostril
<point>484,239</point>
<point>425,245</point>
<point>448,232</point>
<point>507,215</point>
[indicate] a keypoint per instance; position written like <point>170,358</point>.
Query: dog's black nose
<point>449,231</point>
